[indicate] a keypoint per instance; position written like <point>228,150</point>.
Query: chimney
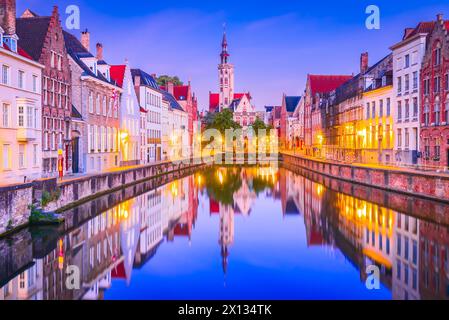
<point>137,80</point>
<point>99,51</point>
<point>8,16</point>
<point>363,62</point>
<point>440,17</point>
<point>170,88</point>
<point>85,39</point>
<point>153,75</point>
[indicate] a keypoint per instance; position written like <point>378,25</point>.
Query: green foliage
<point>164,79</point>
<point>10,225</point>
<point>38,217</point>
<point>48,197</point>
<point>223,192</point>
<point>260,125</point>
<point>221,121</point>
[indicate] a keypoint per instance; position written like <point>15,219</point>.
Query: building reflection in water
<point>412,254</point>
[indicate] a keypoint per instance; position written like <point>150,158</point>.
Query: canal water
<point>236,233</point>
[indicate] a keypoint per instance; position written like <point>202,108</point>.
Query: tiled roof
<point>20,51</point>
<point>326,83</point>
<point>234,104</point>
<point>76,50</point>
<point>291,102</point>
<point>118,74</point>
<point>32,33</point>
<point>269,108</point>
<point>172,101</point>
<point>145,79</point>
<point>422,27</point>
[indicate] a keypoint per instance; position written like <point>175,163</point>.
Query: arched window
<point>437,54</point>
<point>104,106</point>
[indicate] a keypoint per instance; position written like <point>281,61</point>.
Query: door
<point>447,157</point>
<point>75,155</point>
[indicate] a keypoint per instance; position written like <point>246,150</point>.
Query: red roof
<point>214,99</point>
<point>179,92</point>
<point>119,272</point>
<point>422,27</point>
<point>326,83</point>
<point>214,207</point>
<point>118,74</point>
<point>446,24</point>
<point>20,51</point>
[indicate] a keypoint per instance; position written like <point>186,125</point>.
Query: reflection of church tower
<point>226,76</point>
<point>226,233</point>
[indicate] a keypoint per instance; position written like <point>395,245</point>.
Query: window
<point>399,245</point>
<point>381,108</point>
<point>446,82</point>
<point>415,80</point>
<point>407,60</point>
<point>104,106</point>
<point>35,155</point>
<point>30,117</point>
<point>426,87</point>
<point>6,156</point>
<point>437,55</point>
<point>399,81</point>
<point>415,107</point>
<point>399,111</point>
<point>374,109</point>
<point>426,114</point>
<point>436,84</point>
<point>415,252</point>
<point>407,138</point>
<point>91,102</point>
<point>34,83</point>
<point>407,83</point>
<point>388,107</point>
<point>97,104</point>
<point>437,112</point>
<point>21,116</point>
<point>399,138</point>
<point>21,79</point>
<point>5,75</point>
<point>446,111</point>
<point>407,110</point>
<point>5,115</point>
<point>437,149</point>
<point>21,156</point>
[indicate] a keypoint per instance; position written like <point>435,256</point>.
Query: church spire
<point>224,47</point>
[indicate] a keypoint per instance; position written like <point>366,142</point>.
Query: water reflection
<point>305,236</point>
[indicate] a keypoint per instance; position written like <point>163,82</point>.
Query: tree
<point>221,121</point>
<point>164,79</point>
<point>260,125</point>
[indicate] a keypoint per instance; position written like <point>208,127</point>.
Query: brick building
<point>435,97</point>
<point>96,97</point>
<point>317,87</point>
<point>42,37</point>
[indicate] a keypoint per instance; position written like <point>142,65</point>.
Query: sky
<point>273,44</point>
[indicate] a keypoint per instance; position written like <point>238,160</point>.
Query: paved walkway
<point>425,171</point>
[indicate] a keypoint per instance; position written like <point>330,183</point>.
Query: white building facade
<point>20,113</point>
<point>150,102</point>
<point>407,59</point>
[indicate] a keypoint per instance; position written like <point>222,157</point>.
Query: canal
<point>235,233</point>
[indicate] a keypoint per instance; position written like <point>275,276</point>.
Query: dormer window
<point>11,42</point>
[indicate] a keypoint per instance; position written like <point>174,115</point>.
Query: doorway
<point>75,155</point>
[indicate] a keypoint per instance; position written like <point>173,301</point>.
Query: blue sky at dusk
<point>273,44</point>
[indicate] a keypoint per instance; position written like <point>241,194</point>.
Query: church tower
<point>226,76</point>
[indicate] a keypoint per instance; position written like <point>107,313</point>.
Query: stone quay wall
<point>15,200</point>
<point>428,185</point>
